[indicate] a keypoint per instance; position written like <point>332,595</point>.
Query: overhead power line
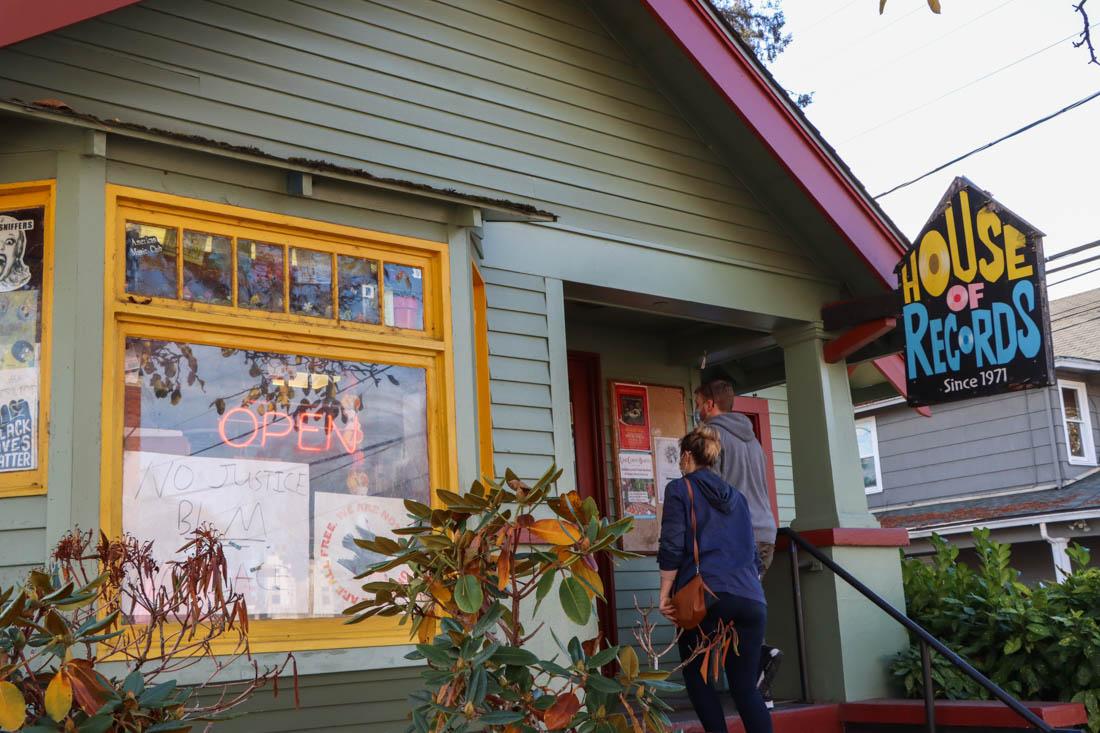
<point>1073,251</point>
<point>1074,277</point>
<point>958,89</point>
<point>989,145</point>
<point>1071,265</point>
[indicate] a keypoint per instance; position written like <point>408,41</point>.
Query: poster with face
<point>338,520</point>
<point>21,257</point>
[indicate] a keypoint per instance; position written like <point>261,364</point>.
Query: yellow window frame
<point>481,372</point>
<point>199,323</point>
<point>17,196</point>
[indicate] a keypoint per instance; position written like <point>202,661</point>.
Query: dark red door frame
<point>756,410</point>
<point>591,474</point>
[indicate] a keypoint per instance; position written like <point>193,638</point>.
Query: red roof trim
<point>851,537</point>
<point>25,19</point>
<point>756,101</point>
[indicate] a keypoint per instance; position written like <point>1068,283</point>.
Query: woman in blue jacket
<point>728,562</point>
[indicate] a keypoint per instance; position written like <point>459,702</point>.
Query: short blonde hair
<point>703,445</point>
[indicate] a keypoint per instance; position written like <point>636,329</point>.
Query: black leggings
<point>742,670</point>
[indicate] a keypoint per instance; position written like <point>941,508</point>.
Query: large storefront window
<point>24,238</point>
<point>283,386</point>
<point>289,457</point>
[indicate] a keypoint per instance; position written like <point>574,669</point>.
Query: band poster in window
<point>403,295</point>
<point>150,260</point>
<point>21,258</point>
<point>632,416</point>
<point>288,456</point>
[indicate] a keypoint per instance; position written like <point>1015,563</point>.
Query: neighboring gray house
<point>988,462</point>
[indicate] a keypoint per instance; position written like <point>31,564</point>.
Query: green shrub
<point>1038,643</point>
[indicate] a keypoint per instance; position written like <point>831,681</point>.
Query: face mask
<point>698,417</point>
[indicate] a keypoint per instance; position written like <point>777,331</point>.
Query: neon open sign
<point>314,432</point>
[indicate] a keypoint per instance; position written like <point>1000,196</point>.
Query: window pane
<point>404,296</point>
<point>1076,444</point>
<point>207,268</point>
<point>259,275</point>
<point>870,478</point>
<point>358,289</point>
<point>150,260</point>
<point>291,457</point>
<point>865,440</point>
<point>1069,401</point>
<point>310,283</point>
<point>21,250</point>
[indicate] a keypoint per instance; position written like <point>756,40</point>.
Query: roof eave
<point>493,209</point>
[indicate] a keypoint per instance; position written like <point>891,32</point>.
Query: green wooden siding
<point>22,537</point>
<point>526,99</point>
<point>364,702</point>
<point>519,370</point>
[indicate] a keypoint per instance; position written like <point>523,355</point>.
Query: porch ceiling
<point>687,334</point>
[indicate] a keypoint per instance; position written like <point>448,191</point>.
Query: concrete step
<point>892,716</point>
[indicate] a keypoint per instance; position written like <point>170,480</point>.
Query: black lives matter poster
<point>21,262</point>
<point>975,314</point>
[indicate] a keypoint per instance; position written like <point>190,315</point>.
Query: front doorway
<point>585,410</point>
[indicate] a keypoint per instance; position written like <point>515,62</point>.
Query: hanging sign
<point>975,314</point>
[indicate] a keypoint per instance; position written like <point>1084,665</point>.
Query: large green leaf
<point>468,594</point>
<point>515,656</point>
<point>575,601</point>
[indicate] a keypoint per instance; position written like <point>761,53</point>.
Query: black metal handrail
<point>927,641</point>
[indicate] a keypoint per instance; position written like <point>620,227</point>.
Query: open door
<point>585,413</point>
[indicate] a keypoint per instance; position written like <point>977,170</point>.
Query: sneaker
<point>769,668</point>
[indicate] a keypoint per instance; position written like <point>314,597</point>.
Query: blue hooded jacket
<point>727,550</point>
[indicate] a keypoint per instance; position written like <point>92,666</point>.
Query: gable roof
<point>1075,325</point>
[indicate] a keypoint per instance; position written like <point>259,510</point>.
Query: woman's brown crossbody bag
<point>690,602</point>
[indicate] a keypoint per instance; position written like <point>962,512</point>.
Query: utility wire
<point>1071,265</point>
<point>967,85</point>
<point>1073,251</point>
<point>1071,325</point>
<point>827,16</point>
<point>989,145</point>
<point>1074,277</point>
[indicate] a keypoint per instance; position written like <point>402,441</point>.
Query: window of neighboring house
<point>26,254</point>
<point>282,379</point>
<point>867,439</point>
<point>481,364</point>
<point>1077,423</point>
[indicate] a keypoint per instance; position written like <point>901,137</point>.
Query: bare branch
<point>1086,33</point>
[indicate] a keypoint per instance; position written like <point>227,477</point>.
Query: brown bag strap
<point>694,527</point>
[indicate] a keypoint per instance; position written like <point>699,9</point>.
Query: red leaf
<point>89,689</point>
<point>562,711</point>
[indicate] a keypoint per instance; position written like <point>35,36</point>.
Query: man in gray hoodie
<point>743,466</point>
<point>742,463</point>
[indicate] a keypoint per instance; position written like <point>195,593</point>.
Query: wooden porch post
<point>850,642</point>
<point>827,474</point>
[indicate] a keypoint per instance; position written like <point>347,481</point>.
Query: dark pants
<point>742,669</point>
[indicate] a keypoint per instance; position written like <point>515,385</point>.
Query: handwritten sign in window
<point>290,457</point>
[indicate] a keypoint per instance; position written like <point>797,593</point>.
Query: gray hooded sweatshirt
<point>743,466</point>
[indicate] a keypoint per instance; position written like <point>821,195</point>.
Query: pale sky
<point>901,93</point>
